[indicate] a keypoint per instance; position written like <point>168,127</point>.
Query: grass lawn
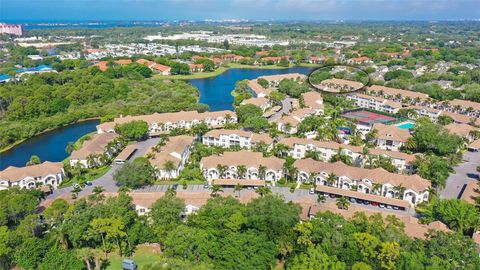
<point>143,255</point>
<point>90,175</point>
<point>197,75</point>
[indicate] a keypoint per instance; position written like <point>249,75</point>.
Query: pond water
<point>49,146</point>
<point>215,92</point>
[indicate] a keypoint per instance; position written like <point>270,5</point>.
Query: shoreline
<point>9,147</point>
<point>200,75</point>
<point>220,70</point>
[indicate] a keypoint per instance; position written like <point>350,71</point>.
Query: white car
<point>312,191</point>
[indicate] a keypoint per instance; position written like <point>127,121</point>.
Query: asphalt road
<point>464,173</point>
<point>106,181</point>
<point>286,107</point>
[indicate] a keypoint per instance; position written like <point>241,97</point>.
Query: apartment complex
<point>46,173</point>
<point>242,165</point>
<point>170,160</point>
<point>411,188</point>
<point>299,147</point>
<point>227,138</point>
<point>163,122</point>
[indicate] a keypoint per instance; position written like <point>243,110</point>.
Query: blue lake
<point>215,92</point>
<point>49,146</point>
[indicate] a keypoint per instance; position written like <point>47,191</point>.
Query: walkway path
<point>464,173</point>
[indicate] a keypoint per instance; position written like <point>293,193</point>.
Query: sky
<point>128,10</point>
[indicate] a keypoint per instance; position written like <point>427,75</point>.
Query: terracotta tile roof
<point>102,65</point>
<point>279,77</point>
<point>377,175</point>
<point>342,82</point>
<point>475,144</point>
<point>387,132</point>
<point>462,130</point>
<point>172,151</point>
<point>471,191</point>
<point>297,116</point>
<point>465,104</point>
<point>257,88</point>
<point>394,91</point>
<point>127,152</point>
<point>413,227</point>
<point>124,61</point>
<point>94,146</point>
<point>161,67</point>
<point>291,141</point>
<point>460,118</point>
<point>427,109</point>
<point>13,173</point>
<point>362,196</point>
<point>166,118</point>
<point>261,101</point>
<point>313,100</point>
<point>247,158</point>
<point>360,59</point>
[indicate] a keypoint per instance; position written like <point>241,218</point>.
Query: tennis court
<point>367,117</point>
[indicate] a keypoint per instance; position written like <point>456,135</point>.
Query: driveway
<point>286,107</point>
<point>106,181</point>
<point>464,173</point>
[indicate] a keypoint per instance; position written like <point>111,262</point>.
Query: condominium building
<point>46,173</point>
<point>90,154</point>
<point>299,147</point>
<point>411,188</point>
<point>289,123</point>
<point>390,137</point>
<point>242,165</point>
<point>163,122</point>
<point>229,138</point>
<point>374,103</point>
<point>175,152</point>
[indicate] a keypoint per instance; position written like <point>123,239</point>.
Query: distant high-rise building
<point>12,29</point>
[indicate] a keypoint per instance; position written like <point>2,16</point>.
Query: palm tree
<point>376,188</point>
<point>241,171</point>
<point>215,190</point>
<point>70,147</point>
<point>261,171</point>
<point>371,135</point>
<point>410,144</point>
<point>237,189</point>
<point>343,203</point>
<point>221,170</point>
<point>169,166</point>
<point>321,198</point>
<point>91,162</point>
<point>171,192</point>
<point>263,191</point>
<point>33,160</point>
<point>331,179</point>
<point>312,154</point>
<point>280,149</point>
<point>399,190</point>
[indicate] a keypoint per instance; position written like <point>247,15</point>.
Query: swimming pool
<point>406,125</point>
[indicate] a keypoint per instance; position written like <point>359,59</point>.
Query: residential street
<point>464,173</point>
<point>106,181</point>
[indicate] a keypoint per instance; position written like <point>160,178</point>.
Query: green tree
<point>166,211</point>
<point>135,174</point>
<point>33,160</point>
<point>134,130</point>
<point>315,259</point>
<point>59,258</point>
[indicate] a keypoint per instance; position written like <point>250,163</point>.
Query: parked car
<point>206,186</point>
<point>366,202</point>
<point>389,206</point>
<point>312,191</point>
<point>88,183</point>
<point>129,265</point>
<point>332,196</point>
<point>374,204</point>
<point>174,186</point>
<point>76,186</point>
<point>396,208</point>
<point>352,200</point>
<point>381,205</point>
